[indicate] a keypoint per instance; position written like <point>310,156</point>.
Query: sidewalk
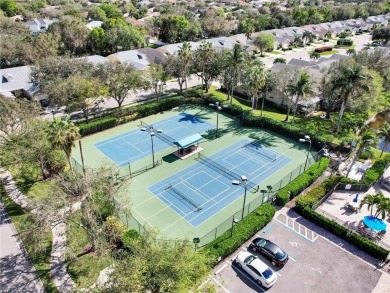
<point>17,273</point>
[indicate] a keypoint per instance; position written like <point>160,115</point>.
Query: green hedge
<point>226,244</point>
<point>344,42</point>
<point>304,180</point>
<point>339,230</point>
<point>376,171</point>
<point>97,125</point>
<point>304,207</point>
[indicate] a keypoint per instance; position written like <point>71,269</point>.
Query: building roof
<point>188,141</point>
<point>15,78</point>
<point>95,59</point>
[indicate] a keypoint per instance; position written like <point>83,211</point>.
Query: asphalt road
<point>17,274</point>
<point>315,265</point>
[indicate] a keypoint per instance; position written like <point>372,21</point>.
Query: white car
<point>258,270</point>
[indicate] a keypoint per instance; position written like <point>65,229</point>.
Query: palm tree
<point>248,28</point>
<point>384,132</point>
<point>185,54</point>
<point>369,200</point>
<point>367,140</point>
<point>268,86</point>
<point>382,205</point>
<point>351,52</point>
<point>205,52</point>
<point>307,36</point>
<point>235,61</point>
<point>253,79</point>
<point>349,80</point>
<point>62,134</point>
<point>314,55</point>
<point>327,35</point>
<point>301,88</point>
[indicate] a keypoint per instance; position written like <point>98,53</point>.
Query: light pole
<point>219,108</point>
<point>243,181</point>
<point>304,140</point>
<point>234,221</point>
<point>152,133</point>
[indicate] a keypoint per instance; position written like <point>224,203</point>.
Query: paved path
<point>58,272</point>
<point>17,273</point>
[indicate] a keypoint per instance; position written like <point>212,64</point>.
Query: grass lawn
<point>40,260</point>
<point>276,52</point>
<point>345,47</point>
<point>329,52</point>
<point>85,269</point>
<point>245,104</point>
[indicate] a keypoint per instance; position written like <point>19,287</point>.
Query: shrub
<point>377,169</point>
<point>304,180</point>
<point>344,42</point>
<point>97,125</point>
<point>114,229</point>
<point>323,49</point>
<point>226,244</point>
<point>128,237</point>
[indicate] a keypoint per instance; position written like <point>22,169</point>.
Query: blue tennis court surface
<point>135,145</point>
<point>202,190</point>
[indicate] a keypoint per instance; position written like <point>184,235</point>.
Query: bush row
<point>304,207</point>
<point>377,169</point>
<point>344,42</point>
<point>97,125</point>
<point>304,180</point>
<point>323,49</point>
<point>226,244</point>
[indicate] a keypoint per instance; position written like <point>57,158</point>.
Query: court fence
<point>265,196</point>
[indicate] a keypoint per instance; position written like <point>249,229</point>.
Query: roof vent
<point>8,77</point>
<point>139,56</point>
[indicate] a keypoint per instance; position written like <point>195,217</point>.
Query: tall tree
<point>176,68</point>
<point>369,200</point>
<point>157,78</point>
<point>185,55</point>
<point>265,42</point>
<point>349,81</point>
<point>247,26</point>
<point>253,79</point>
<point>235,60</point>
<point>314,55</point>
<point>62,134</point>
<point>301,89</point>
<point>384,132</point>
<point>267,87</point>
<point>120,80</point>
<point>367,140</point>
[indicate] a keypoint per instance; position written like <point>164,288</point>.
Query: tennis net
<point>169,140</point>
<point>183,196</point>
<point>254,147</point>
<point>226,172</point>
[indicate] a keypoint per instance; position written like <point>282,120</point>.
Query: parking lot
<point>315,264</point>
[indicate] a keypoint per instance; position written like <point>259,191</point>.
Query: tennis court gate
<point>266,196</point>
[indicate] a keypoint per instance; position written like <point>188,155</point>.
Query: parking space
<point>315,264</point>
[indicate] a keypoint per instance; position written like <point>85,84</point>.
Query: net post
<point>129,170</point>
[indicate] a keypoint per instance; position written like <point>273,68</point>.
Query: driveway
<point>319,262</point>
<point>17,274</point>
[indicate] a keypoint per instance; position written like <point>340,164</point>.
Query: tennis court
<point>134,145</point>
<point>203,189</point>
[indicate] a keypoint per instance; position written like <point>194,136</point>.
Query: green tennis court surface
<point>192,198</point>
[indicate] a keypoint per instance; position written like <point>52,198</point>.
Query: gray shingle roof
<point>15,78</point>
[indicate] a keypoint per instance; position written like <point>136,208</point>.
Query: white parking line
<point>278,274</point>
<point>220,269</point>
<point>219,284</point>
<point>292,258</point>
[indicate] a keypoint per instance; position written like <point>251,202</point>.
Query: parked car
<point>258,270</point>
<point>270,250</point>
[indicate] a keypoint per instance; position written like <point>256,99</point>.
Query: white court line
<point>219,284</point>
<point>221,269</point>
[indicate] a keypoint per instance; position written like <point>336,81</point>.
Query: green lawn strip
<point>85,269</point>
<point>345,47</point>
<point>276,52</point>
<point>329,52</point>
<point>268,112</point>
<point>40,260</point>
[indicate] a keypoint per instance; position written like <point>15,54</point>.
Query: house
<point>316,29</point>
<point>283,38</point>
<point>94,59</point>
<point>379,20</point>
<point>222,43</point>
<point>94,24</point>
<point>140,58</point>
<point>172,49</point>
<point>38,25</point>
<point>16,80</point>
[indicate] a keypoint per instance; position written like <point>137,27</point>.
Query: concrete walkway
<point>59,275</point>
<point>17,273</point>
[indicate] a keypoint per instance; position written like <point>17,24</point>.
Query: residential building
<point>38,25</point>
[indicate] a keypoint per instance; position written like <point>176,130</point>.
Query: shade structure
<point>374,223</point>
<point>188,141</point>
